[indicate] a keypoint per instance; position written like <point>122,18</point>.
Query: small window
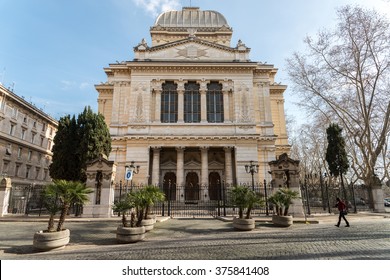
<point>28,172</point>
<point>37,170</point>
<point>11,129</point>
<point>17,168</point>
<point>20,150</point>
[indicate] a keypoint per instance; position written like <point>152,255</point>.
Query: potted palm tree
<point>58,197</point>
<point>129,231</point>
<point>148,196</point>
<point>245,199</point>
<point>282,199</point>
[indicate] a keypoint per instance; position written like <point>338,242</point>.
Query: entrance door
<point>192,186</point>
<point>169,185</point>
<point>214,185</point>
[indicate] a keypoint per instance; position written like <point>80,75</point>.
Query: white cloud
<point>155,7</point>
<point>84,85</point>
<point>72,85</point>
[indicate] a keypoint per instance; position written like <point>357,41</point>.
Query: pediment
<point>168,165</point>
<point>101,163</point>
<point>190,49</point>
<point>192,164</point>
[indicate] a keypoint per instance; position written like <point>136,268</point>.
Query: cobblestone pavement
<point>367,238</point>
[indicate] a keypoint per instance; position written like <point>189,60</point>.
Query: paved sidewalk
<point>208,238</point>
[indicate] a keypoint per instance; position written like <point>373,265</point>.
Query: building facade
<point>191,109</point>
<point>26,140</point>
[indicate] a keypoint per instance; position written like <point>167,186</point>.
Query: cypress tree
<point>336,156</point>
<point>95,139</point>
<point>77,142</point>
<point>65,162</point>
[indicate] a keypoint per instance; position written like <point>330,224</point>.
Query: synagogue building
<point>191,108</point>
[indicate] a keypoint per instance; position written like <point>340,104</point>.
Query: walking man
<point>342,211</point>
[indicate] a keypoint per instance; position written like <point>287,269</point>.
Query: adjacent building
<point>192,109</point>
<point>26,140</point>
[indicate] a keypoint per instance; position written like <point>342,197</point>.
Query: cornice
<point>173,138</point>
<point>194,40</point>
<point>193,68</point>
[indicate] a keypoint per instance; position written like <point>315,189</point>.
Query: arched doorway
<point>169,185</point>
<point>192,186</point>
<point>214,186</point>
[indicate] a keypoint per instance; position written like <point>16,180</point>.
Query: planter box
<point>243,224</point>
<point>130,234</point>
<point>45,241</point>
<point>282,221</point>
<point>148,224</point>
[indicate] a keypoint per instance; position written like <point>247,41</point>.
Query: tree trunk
<point>61,221</point>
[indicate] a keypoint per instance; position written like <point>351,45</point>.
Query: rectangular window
<point>5,168</point>
<point>192,103</point>
<point>12,129</point>
<point>37,170</point>
<point>33,137</point>
<point>28,172</point>
<point>215,110</point>
<point>20,150</point>
<point>17,168</point>
<point>23,134</point>
<point>169,99</point>
<point>29,156</point>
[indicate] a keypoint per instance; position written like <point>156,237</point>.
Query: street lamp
<point>252,169</point>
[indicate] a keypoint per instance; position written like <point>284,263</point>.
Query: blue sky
<point>52,52</point>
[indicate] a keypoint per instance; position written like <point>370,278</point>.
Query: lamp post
<point>266,197</point>
<point>252,169</point>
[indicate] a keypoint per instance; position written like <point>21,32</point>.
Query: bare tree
<point>345,76</point>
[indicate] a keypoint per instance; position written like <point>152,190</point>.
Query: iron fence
<point>198,201</point>
<point>321,198</point>
<point>25,199</point>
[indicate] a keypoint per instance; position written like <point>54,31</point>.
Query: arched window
<point>169,103</point>
<point>214,103</point>
<point>191,103</point>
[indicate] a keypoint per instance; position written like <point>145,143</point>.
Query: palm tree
<point>50,202</point>
<point>282,200</point>
<point>123,206</point>
<point>152,195</point>
<point>66,193</point>
<point>245,198</point>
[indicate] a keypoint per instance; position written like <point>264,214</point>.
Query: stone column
<point>156,87</point>
<point>156,166</point>
<point>377,196</point>
<point>5,191</point>
<point>205,166</point>
<point>203,102</point>
<point>157,114</point>
<point>180,171</point>
<point>227,89</point>
<point>228,165</point>
<point>180,102</point>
